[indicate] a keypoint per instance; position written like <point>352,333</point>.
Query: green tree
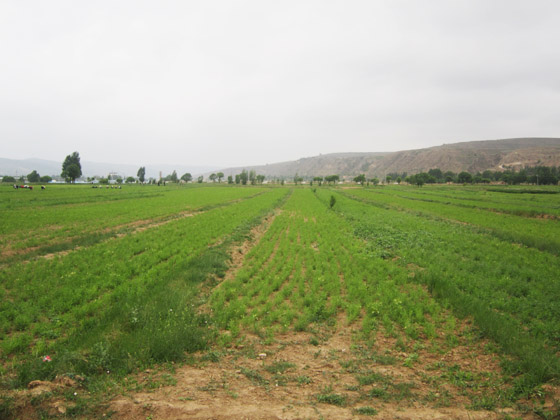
<point>374,181</point>
<point>260,179</point>
<point>213,177</point>
<point>318,179</point>
<point>33,177</point>
<point>230,179</point>
<point>238,179</point>
<point>220,176</point>
<point>130,180</point>
<point>200,179</point>
<point>388,179</point>
<point>46,179</point>
<point>141,174</point>
<point>488,174</point>
<point>360,179</point>
<point>244,176</point>
<point>187,177</point>
<point>252,177</point>
<point>437,174</point>
<point>9,179</point>
<point>71,167</point>
<point>174,177</point>
<point>332,178</point>
<point>464,178</point>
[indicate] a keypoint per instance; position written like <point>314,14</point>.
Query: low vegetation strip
<point>308,267</point>
<point>342,305</point>
<point>40,229</point>
<point>75,304</point>
<point>542,234</point>
<point>521,203</point>
<point>510,291</point>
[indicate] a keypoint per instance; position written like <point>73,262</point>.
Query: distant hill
<point>473,156</point>
<point>18,167</point>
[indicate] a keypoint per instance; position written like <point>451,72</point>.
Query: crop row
<point>528,205</point>
<point>78,300</point>
<point>46,226</point>
<point>542,234</point>
<point>511,291</point>
<point>308,268</point>
<point>525,202</point>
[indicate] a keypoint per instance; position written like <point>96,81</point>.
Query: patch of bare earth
<point>326,374</point>
<point>239,253</point>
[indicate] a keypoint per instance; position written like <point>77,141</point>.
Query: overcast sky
<point>233,83</point>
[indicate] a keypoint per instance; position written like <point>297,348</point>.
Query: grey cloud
<point>248,82</point>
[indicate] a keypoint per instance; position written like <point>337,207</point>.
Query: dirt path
<point>304,375</point>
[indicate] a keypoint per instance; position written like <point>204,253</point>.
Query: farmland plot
<point>512,289</point>
<point>319,322</point>
<point>510,222</point>
<point>60,218</point>
<point>348,312</point>
<point>118,289</point>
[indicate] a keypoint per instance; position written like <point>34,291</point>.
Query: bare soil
<point>299,377</point>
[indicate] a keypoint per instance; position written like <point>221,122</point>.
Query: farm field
<point>280,302</point>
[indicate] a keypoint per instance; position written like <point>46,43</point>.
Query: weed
<point>365,411</point>
<point>378,393</point>
<point>303,380</point>
<point>279,367</point>
<point>213,356</point>
<point>255,377</point>
<point>6,406</point>
<point>372,378</point>
<point>403,390</point>
<point>410,360</point>
<point>328,397</point>
<point>483,402</point>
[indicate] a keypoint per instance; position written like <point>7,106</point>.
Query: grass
<point>126,312</point>
<point>402,263</point>
<point>509,290</point>
<point>328,397</point>
<point>365,411</point>
<point>279,367</point>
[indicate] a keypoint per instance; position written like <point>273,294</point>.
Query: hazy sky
<point>231,83</point>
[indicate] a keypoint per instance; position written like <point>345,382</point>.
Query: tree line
<point>538,175</point>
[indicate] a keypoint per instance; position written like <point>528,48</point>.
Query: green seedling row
<point>513,202</point>
<point>92,296</point>
<point>511,291</point>
<point>308,269</point>
<point>542,234</point>
<point>40,229</point>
